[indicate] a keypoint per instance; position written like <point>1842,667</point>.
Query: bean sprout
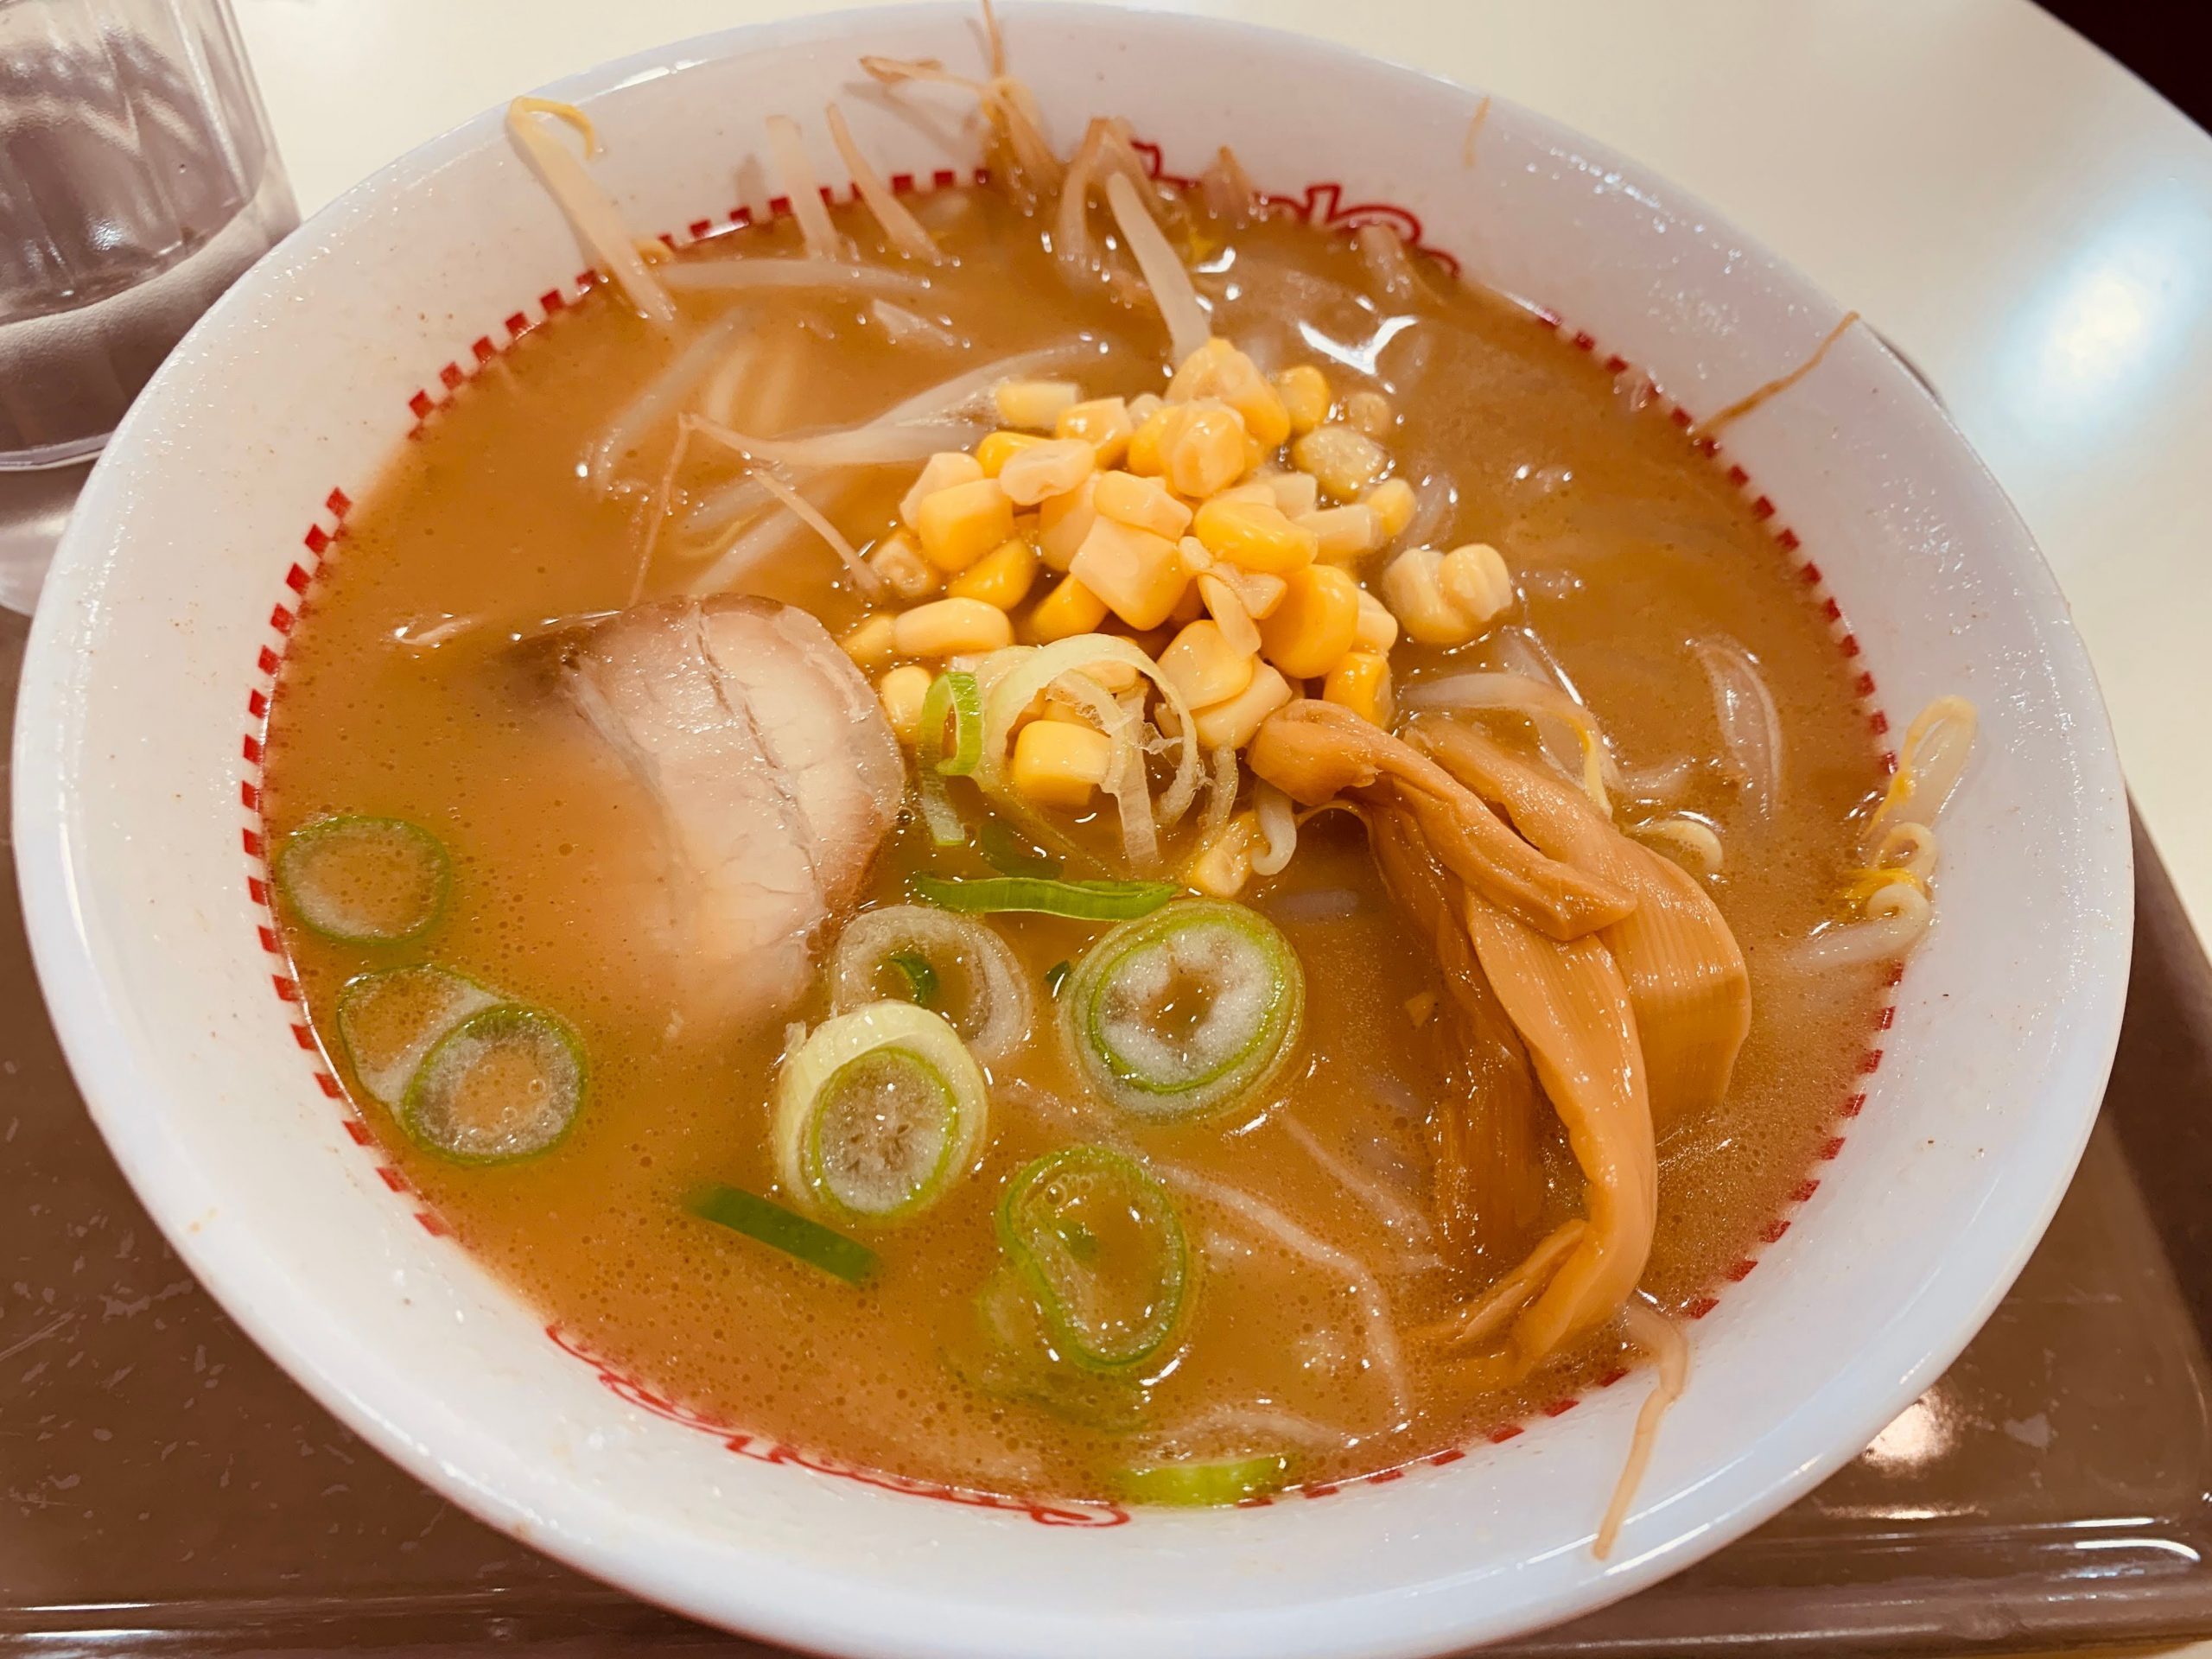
<point>903,230</point>
<point>591,211</point>
<point>1750,730</point>
<point>1897,915</point>
<point>1395,1214</point>
<point>809,275</point>
<point>1661,1339</point>
<point>1279,825</point>
<point>1375,1306</point>
<point>788,149</point>
<point>1188,327</point>
<point>1693,836</point>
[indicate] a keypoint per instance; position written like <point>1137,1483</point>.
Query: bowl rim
<point>312,1347</point>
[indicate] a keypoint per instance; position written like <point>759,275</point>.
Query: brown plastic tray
<point>164,1488</point>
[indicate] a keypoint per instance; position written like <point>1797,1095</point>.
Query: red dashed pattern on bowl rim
<point>1321,203</point>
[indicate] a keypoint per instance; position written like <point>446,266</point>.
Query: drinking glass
<point>137,179</point>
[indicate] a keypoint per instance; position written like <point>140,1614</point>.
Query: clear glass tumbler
<point>137,179</point>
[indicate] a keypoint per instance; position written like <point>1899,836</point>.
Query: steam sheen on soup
<point>1075,839</point>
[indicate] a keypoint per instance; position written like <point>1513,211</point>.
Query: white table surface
<point>2029,223</point>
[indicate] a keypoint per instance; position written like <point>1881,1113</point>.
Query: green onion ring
<point>1247,1027</point>
<point>1071,1224</point>
<point>955,693</point>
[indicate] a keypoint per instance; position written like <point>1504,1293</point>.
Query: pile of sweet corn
<point>1178,517</point>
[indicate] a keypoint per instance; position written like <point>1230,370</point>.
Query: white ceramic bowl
<point>137,842</point>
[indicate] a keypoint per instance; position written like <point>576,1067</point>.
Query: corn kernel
<point>1314,625</point>
<point>1205,453</point>
<point>1035,405</point>
<point>1474,577</point>
<point>1058,763</point>
<point>1414,595</point>
<point>1296,493</point>
<point>999,448</point>
<point>1392,502</point>
<point>903,570</point>
<point>950,627</point>
<point>1265,417</point>
<point>1203,666</point>
<point>958,525</point>
<point>1304,394</point>
<point>870,641</point>
<point>1252,489</point>
<point>1146,452</point>
<point>1051,467</point>
<point>1223,864</point>
<point>1218,370</point>
<point>1199,375</point>
<point>1195,559</point>
<point>1343,459</point>
<point>1226,606</point>
<point>1253,535</point>
<point>1103,424</point>
<point>1062,523</point>
<point>902,692</point>
<point>1343,535</point>
<point>1379,629</point>
<point>1112,673</point>
<point>1139,574</point>
<point>1144,406</point>
<point>1142,503</point>
<point>943,470</point>
<point>1070,608</point>
<point>1234,721</point>
<point>1446,599</point>
<point>1361,683</point>
<point>1259,591</point>
<point>1411,590</point>
<point>1001,577</point>
<point>1371,412</point>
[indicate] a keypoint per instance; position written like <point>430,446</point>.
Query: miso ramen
<point>1072,838</point>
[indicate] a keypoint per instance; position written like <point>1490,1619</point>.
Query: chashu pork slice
<point>775,773</point>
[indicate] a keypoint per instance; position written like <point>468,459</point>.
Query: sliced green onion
<point>1191,1008</point>
<point>768,1222</point>
<point>954,693</point>
<point>1010,1357</point>
<point>1056,976</point>
<point>1009,854</point>
<point>505,1083</point>
<point>921,978</point>
<point>1099,1245</point>
<point>973,979</point>
<point>388,1022</point>
<point>1207,1485</point>
<point>939,815</point>
<point>878,1113</point>
<point>1088,901</point>
<point>364,880</point>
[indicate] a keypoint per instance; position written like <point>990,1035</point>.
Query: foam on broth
<point>1627,546</point>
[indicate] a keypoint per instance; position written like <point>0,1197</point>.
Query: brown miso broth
<point>423,684</point>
